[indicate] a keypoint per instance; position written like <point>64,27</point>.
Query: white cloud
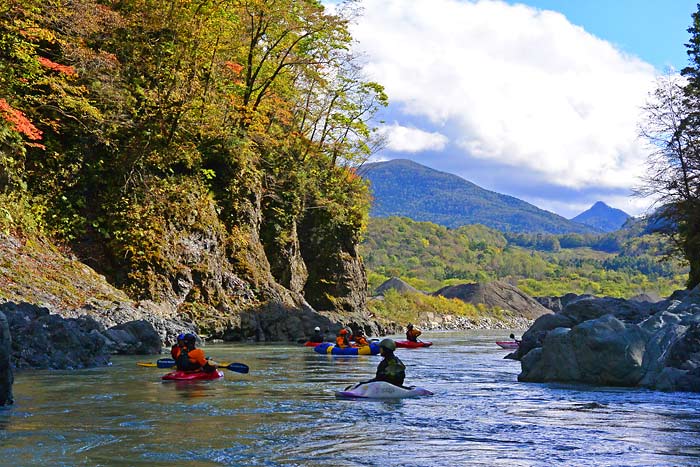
<point>407,139</point>
<point>512,84</point>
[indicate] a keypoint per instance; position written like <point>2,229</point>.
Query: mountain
<point>406,188</point>
<point>603,217</point>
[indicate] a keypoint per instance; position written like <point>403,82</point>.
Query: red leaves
<point>21,124</point>
<point>66,70</point>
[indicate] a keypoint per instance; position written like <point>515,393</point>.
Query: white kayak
<point>381,390</point>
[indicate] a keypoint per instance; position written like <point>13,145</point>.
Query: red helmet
<point>343,332</point>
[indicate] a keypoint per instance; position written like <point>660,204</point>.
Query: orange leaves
<point>66,70</point>
<point>236,68</point>
<point>20,123</point>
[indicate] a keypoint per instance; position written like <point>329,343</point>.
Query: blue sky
<point>538,99</point>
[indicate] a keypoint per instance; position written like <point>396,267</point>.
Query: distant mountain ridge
<point>405,188</point>
<point>603,217</point>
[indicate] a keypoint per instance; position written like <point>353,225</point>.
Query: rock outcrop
<point>496,295</point>
<point>607,341</point>
<point>395,284</point>
<point>41,339</point>
<point>6,376</point>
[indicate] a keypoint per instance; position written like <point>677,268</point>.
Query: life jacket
<point>184,363</point>
<point>394,371</point>
<point>342,342</point>
<point>361,341</point>
<point>412,335</point>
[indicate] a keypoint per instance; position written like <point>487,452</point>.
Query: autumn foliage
<point>20,123</point>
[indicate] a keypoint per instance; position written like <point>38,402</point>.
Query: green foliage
<point>429,256</point>
<point>412,307</point>
<point>249,113</point>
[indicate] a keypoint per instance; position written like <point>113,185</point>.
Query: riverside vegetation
<point>621,264</point>
<point>197,155</point>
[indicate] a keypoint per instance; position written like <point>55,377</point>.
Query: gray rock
<point>43,340</point>
<point>395,284</point>
<point>497,295</point>
<point>6,376</point>
<point>534,337</point>
<point>584,309</point>
<point>135,337</point>
<point>600,351</point>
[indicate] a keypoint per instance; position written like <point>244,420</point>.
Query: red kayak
<point>311,344</point>
<point>192,375</point>
<point>508,344</point>
<point>412,345</point>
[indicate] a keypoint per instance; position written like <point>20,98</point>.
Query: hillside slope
<point>406,188</point>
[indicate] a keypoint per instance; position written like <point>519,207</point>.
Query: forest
<point>428,256</point>
<point>166,141</point>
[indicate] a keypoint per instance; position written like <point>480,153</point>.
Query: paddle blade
<point>147,364</point>
<point>165,363</point>
<point>238,367</point>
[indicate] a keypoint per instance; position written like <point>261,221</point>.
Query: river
<point>284,413</point>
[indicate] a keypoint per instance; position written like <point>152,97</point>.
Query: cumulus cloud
<point>511,84</point>
<point>406,139</point>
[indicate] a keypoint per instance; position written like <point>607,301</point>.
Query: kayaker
<point>517,341</point>
<point>342,340</point>
<point>412,333</point>
<point>317,336</point>
<point>360,339</point>
<point>179,343</point>
<point>390,369</point>
<point>192,358</point>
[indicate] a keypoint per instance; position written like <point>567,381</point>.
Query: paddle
<point>169,363</point>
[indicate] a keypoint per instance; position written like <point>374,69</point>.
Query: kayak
<point>412,345</point>
<point>381,390</point>
<point>508,344</point>
<point>192,375</point>
<point>328,348</point>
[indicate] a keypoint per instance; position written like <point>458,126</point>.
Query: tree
<point>672,127</point>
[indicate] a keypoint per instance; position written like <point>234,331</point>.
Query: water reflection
<point>285,413</point>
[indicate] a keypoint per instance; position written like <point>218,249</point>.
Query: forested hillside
<point>198,154</point>
<point>406,188</point>
<point>429,256</point>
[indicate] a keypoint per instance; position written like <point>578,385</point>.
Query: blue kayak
<point>330,349</point>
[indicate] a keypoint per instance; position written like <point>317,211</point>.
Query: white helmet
<point>317,328</point>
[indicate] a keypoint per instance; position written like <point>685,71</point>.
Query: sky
<point>538,99</point>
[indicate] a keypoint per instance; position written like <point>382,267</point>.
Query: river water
<point>284,413</point>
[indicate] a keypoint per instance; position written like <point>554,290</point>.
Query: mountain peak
<point>406,188</point>
<point>603,217</point>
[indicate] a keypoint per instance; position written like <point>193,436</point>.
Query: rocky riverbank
<point>607,341</point>
<point>6,375</point>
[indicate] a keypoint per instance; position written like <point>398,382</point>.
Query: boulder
<point>496,295</point>
<point>395,284</point>
<point>6,377</point>
<point>601,351</point>
<point>534,337</point>
<point>44,340</point>
<point>617,342</point>
<point>584,309</point>
<point>134,337</point>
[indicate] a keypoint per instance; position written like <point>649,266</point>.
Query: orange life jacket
<point>342,342</point>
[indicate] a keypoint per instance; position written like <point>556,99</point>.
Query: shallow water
<point>284,413</point>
